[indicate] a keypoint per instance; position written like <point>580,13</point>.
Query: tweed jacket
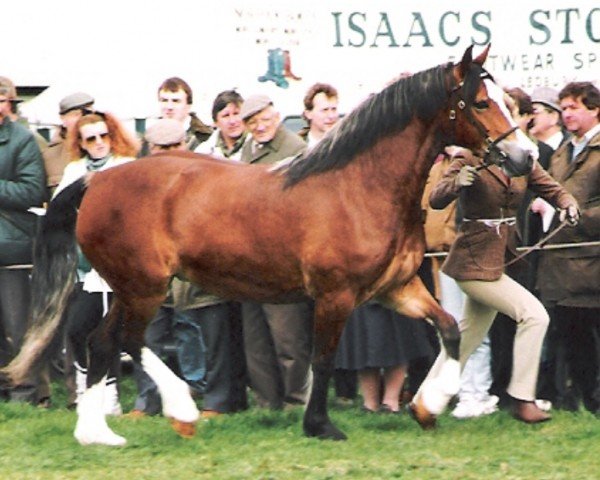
<point>56,158</point>
<point>481,249</point>
<point>283,145</point>
<point>571,277</point>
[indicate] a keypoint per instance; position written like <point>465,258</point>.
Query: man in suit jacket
<point>277,338</point>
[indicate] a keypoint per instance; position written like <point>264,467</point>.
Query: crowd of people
<point>530,329</point>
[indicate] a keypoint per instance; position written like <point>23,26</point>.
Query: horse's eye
<point>482,105</point>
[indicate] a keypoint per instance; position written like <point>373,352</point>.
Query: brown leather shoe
<point>528,411</point>
<point>135,414</point>
<point>208,414</point>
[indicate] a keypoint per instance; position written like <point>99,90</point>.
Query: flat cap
<point>254,104</point>
<point>75,101</point>
<point>8,89</point>
<point>165,132</point>
<point>547,96</point>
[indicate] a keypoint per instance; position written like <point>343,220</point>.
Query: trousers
<point>278,341</point>
<point>505,295</point>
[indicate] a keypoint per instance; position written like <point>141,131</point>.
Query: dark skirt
<point>377,337</point>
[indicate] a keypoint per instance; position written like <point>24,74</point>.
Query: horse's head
<point>481,121</point>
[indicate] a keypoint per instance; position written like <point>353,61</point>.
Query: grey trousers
<point>15,295</point>
<point>278,340</point>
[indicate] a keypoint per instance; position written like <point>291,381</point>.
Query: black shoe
<point>384,408</point>
<point>364,409</point>
<point>45,402</point>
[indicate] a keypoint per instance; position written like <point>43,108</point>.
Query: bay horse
<point>340,226</point>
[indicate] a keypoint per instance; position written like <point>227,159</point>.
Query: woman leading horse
<point>341,226</point>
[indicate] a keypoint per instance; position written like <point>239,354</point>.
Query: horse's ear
<point>480,60</point>
<point>466,61</point>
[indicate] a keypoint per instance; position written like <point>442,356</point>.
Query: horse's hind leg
<point>442,382</point>
<point>84,315</point>
<point>104,345</point>
<point>177,402</point>
<point>330,318</point>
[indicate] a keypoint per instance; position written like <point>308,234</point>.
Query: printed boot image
<point>287,66</point>
<point>275,69</point>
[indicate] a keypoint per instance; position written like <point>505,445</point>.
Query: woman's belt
<point>494,222</point>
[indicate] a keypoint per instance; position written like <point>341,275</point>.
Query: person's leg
<point>474,325</point>
<point>214,323</point>
<point>509,297</point>
<point>393,381</point>
<point>239,376</point>
<point>369,381</point>
<point>292,331</point>
<point>584,348</point>
<point>15,296</point>
<point>264,375</point>
<point>189,336</point>
<point>345,384</point>
<point>157,332</point>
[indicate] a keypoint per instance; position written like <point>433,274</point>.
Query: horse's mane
<point>382,114</point>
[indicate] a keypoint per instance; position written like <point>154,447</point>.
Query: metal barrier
<point>554,246</point>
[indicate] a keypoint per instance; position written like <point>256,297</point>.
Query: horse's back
<point>193,215</point>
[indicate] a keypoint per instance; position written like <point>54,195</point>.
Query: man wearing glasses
<point>547,124</point>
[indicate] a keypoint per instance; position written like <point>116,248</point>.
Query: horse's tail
<point>53,277</point>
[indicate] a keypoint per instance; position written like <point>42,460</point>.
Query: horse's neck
<point>401,162</point>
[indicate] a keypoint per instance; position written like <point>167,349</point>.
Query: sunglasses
<point>94,138</point>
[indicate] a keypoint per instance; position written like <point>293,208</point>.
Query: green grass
<point>39,444</point>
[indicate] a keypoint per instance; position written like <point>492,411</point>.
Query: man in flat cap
<point>165,134</point>
<point>195,320</point>
<point>70,109</point>
<point>547,122</point>
<point>22,185</point>
<point>271,141</point>
<point>277,338</point>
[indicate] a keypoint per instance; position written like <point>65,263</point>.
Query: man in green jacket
<point>277,338</point>
<point>22,185</point>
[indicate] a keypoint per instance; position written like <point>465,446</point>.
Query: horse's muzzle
<point>511,158</point>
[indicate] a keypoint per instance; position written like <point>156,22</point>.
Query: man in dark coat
<point>568,278</point>
<point>22,185</point>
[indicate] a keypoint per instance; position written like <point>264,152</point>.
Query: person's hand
<point>571,214</point>
<point>466,176</point>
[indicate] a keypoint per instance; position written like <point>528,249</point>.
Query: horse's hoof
<point>108,438</point>
<point>327,431</point>
<point>183,429</point>
<point>423,417</point>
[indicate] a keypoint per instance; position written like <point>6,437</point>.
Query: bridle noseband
<point>492,154</point>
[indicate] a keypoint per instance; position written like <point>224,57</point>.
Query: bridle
<point>492,155</point>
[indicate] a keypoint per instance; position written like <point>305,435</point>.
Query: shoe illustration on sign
<point>279,68</point>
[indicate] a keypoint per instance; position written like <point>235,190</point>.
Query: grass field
<point>38,444</point>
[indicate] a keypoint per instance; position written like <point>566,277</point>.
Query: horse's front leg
<point>330,317</point>
<point>443,380</point>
